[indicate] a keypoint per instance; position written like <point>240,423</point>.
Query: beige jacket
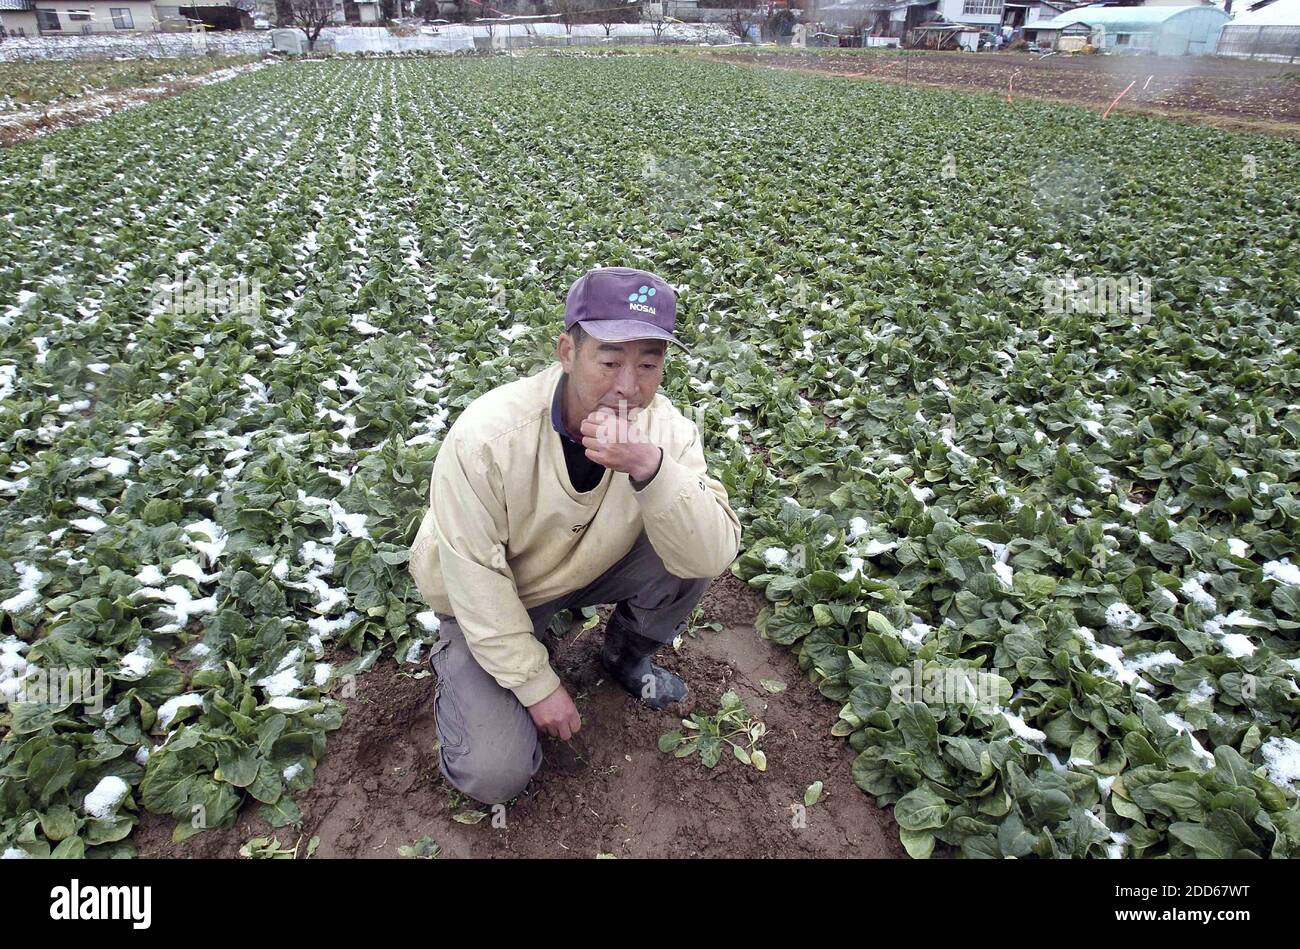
<point>505,530</point>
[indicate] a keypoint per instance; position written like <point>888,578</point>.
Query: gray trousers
<point>488,745</point>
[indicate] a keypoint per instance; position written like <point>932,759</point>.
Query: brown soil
<point>609,790</point>
<point>1235,94</point>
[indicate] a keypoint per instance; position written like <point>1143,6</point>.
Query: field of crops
<point>235,323</point>
<point>40,83</point>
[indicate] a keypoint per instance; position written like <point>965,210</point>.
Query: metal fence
<point>484,37</point>
<point>377,40</point>
<point>1277,43</point>
<point>547,42</point>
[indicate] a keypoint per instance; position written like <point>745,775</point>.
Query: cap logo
<point>636,301</point>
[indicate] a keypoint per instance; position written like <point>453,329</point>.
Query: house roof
<point>1131,18</point>
<point>16,4</point>
<point>873,6</point>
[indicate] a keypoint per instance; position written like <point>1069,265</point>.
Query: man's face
<point>607,374</point>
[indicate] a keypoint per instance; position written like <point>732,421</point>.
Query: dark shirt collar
<point>557,410</point>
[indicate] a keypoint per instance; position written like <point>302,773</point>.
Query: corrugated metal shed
<point>852,11</point>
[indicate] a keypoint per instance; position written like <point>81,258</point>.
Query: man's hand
<point>556,715</point>
<point>611,440</point>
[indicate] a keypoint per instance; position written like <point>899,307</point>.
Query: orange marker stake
<point>1118,97</point>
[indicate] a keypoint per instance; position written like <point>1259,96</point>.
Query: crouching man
<point>577,486</point>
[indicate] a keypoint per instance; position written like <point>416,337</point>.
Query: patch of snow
<point>137,662</point>
<point>1121,616</point>
<point>117,467</point>
<point>284,703</point>
<point>855,567</point>
<point>281,683</point>
<point>1020,727</point>
<point>1283,571</point>
<point>325,628</point>
<point>214,546</point>
<point>183,606</point>
<point>150,576</point>
<point>1152,660</point>
<point>1181,725</point>
<point>104,800</point>
<point>1115,849</point>
<point>167,711</point>
<point>1193,590</point>
<point>1237,645</point>
<point>29,578</point>
<point>191,569</point>
<point>1282,761</point>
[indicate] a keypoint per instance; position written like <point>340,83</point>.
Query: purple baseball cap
<point>618,304</point>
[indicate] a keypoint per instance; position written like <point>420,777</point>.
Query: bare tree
<point>608,16</point>
<point>568,11</point>
<point>779,23</point>
<point>738,18</point>
<point>311,16</point>
<point>657,26</point>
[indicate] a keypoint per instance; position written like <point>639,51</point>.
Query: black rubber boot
<point>626,656</point>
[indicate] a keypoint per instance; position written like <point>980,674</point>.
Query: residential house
<point>899,18</point>
<point>17,18</point>
<point>70,17</point>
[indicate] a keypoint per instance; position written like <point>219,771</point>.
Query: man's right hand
<point>556,715</point>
